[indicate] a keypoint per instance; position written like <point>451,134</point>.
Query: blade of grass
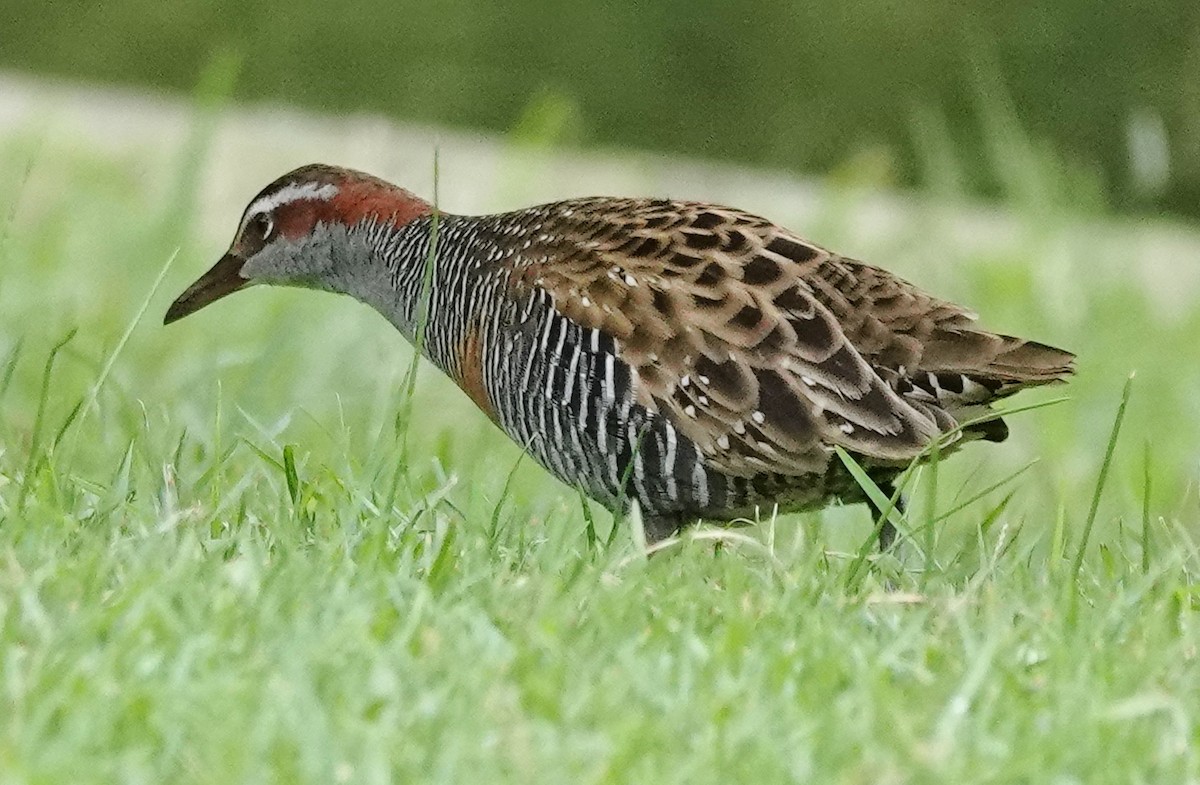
<point>886,506</point>
<point>1103,477</point>
<point>952,435</point>
<point>494,527</point>
<point>931,487</point>
<point>261,453</point>
<point>39,419</point>
<point>1058,539</point>
<point>111,360</point>
<point>626,476</point>
<point>10,365</point>
<point>422,312</point>
<point>1146,542</point>
<point>589,530</point>
<point>291,476</point>
<point>443,562</point>
<point>990,519</point>
<point>993,487</point>
<point>79,416</point>
<point>945,439</point>
<point>216,473</point>
<point>987,565</point>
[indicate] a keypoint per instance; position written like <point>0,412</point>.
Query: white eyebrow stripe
<point>293,192</point>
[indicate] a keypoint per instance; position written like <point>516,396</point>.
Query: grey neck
<point>395,272</point>
<point>384,268</point>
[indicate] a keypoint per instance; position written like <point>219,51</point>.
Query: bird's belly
<point>575,413</point>
<point>618,451</point>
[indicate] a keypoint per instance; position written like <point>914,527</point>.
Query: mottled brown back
<point>764,349</point>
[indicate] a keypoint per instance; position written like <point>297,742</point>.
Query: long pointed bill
<point>224,278</point>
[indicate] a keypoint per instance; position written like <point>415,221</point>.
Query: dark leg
<point>887,532</point>
<point>660,528</point>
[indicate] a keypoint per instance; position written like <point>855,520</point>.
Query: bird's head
<point>298,231</point>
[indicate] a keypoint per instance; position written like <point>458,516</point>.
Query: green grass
<point>219,562</point>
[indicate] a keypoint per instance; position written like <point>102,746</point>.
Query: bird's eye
<point>262,226</point>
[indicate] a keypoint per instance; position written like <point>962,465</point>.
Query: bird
<point>698,360</point>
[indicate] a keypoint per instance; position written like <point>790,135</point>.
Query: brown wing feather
<point>763,349</point>
<point>895,324</point>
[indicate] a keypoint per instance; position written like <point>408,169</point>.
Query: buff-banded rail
<point>697,359</point>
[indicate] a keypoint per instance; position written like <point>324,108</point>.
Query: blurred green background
<point>236,550</point>
<point>872,89</point>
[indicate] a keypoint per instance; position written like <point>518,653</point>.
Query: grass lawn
<point>233,550</point>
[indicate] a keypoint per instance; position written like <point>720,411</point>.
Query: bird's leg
<point>659,527</point>
<point>887,532</point>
